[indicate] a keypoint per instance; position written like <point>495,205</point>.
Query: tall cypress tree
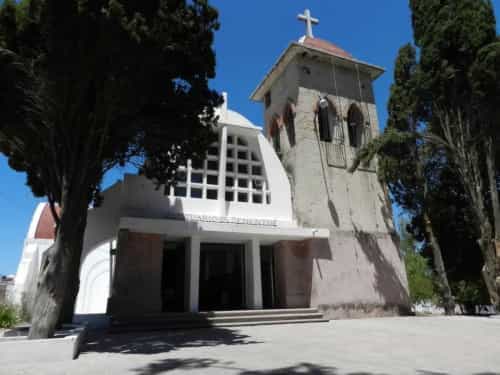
<point>457,88</point>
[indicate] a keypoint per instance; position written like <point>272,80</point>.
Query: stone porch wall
<point>136,286</point>
<point>350,275</point>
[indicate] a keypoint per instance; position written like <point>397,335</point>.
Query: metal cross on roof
<point>306,17</point>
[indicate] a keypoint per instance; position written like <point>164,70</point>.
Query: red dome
<point>45,228</point>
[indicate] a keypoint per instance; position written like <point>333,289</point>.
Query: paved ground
<point>424,346</point>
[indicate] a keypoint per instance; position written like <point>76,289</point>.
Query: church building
<point>272,219</point>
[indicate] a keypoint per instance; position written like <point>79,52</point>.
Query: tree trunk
<point>442,277</point>
<point>68,306</point>
<point>57,271</point>
<point>495,205</point>
<point>444,285</point>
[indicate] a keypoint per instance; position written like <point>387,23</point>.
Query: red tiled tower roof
<point>325,46</point>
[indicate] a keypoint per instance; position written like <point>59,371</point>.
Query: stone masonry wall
<point>136,288</point>
<point>359,270</point>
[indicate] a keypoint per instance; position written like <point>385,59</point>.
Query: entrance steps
<point>236,318</point>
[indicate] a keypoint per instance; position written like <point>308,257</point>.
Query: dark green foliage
<point>448,99</point>
<point>418,271</point>
<point>469,294</point>
<point>89,85</point>
<point>8,316</point>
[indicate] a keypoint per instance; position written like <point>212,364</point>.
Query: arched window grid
<point>245,174</point>
<point>199,180</point>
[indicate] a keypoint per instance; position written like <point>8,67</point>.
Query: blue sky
<point>251,37</point>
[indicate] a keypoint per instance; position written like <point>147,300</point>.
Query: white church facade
<point>271,219</point>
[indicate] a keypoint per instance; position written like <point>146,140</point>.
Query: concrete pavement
<point>413,345</point>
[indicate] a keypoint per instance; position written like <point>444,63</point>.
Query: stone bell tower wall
<point>360,271</point>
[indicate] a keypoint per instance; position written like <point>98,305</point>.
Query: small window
<point>212,165</point>
<point>213,151</point>
<point>242,197</point>
<point>355,126</point>
<point>289,118</point>
<point>212,179</point>
<point>257,170</point>
<point>196,193</point>
<point>197,178</point>
<point>257,198</point>
<point>274,132</point>
<point>257,184</point>
<point>254,157</point>
<point>276,142</point>
<point>325,132</point>
<point>180,191</point>
<point>230,153</point>
<point>268,198</point>
<point>241,142</point>
<point>242,155</point>
<point>181,176</point>
<point>242,183</point>
<point>229,196</point>
<point>243,168</point>
<point>230,139</point>
<point>229,181</point>
<point>230,167</point>
<point>267,99</point>
<point>212,194</point>
<point>198,164</point>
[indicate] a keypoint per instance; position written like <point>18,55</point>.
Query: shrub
<point>8,316</point>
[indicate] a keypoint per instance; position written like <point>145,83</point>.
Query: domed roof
<point>235,118</point>
<point>42,225</point>
<point>230,117</point>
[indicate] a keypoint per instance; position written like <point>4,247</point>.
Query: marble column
<point>192,282</point>
<point>253,274</point>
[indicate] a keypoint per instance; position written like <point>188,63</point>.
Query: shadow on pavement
<point>166,365</point>
<point>162,342</point>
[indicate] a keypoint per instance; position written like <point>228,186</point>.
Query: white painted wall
<point>137,197</point>
<point>144,200</point>
<point>94,281</point>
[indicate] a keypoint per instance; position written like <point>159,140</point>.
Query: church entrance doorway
<point>222,285</point>
<point>174,259</point>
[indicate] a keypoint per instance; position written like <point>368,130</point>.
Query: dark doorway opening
<point>222,277</point>
<point>267,275</point>
<point>174,260</point>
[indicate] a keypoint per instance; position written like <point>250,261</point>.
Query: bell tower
<point>319,110</point>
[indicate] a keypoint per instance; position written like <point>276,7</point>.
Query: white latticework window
<point>199,181</point>
<point>245,174</point>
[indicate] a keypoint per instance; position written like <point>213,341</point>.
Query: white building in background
<point>267,220</point>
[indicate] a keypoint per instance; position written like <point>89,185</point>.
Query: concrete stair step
<point>237,318</point>
<point>209,314</point>
<point>206,324</point>
<point>219,319</point>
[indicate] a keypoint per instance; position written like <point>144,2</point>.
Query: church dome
<point>235,118</point>
<point>42,225</point>
<point>230,117</point>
